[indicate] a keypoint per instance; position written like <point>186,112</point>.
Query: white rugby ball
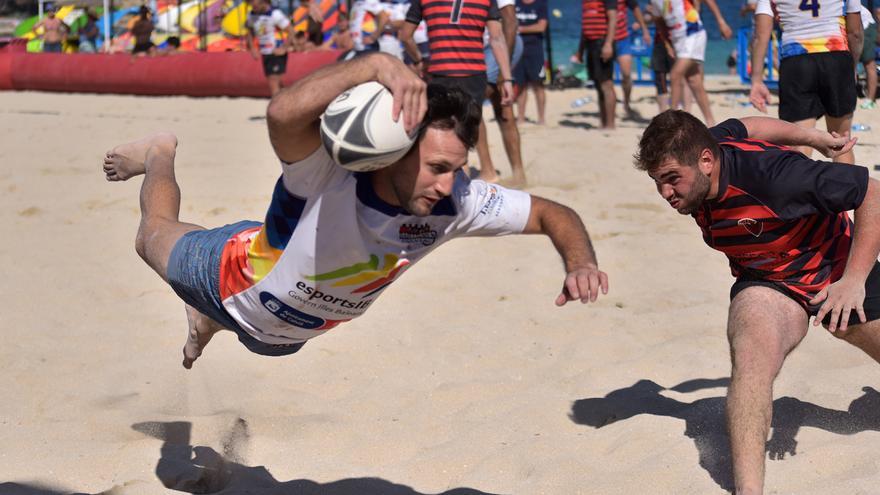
<point>358,132</point>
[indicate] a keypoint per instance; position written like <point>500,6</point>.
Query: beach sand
<point>463,378</point>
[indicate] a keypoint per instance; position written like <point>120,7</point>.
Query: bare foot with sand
<point>201,330</point>
<point>127,160</point>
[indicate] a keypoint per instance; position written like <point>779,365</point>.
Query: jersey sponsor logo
<point>290,315</point>
<point>494,201</point>
<point>417,234</point>
<point>368,275</point>
<point>751,225</point>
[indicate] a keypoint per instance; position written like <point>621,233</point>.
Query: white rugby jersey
<point>330,246</point>
<point>810,26</point>
<point>264,25</point>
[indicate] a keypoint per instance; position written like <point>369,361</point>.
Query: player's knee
<point>144,238</point>
<point>758,359</point>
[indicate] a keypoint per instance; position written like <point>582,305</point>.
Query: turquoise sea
<point>565,32</point>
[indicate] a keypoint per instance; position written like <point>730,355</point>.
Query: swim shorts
<point>274,65</point>
<point>692,46</point>
<point>816,84</point>
<point>194,274</point>
<point>871,305</point>
<point>473,85</point>
<point>492,70</point>
<point>530,68</point>
<point>598,69</point>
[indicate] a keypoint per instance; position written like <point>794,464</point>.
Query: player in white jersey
<point>365,43</point>
<point>821,42</point>
<point>682,19</point>
<point>263,23</point>
<point>333,240</point>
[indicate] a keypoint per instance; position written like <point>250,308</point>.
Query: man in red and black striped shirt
<point>455,40</point>
<point>781,219</point>
<point>599,23</point>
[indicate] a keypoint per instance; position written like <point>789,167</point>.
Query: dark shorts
<point>872,295</point>
<point>599,70</point>
<point>53,47</point>
<point>274,65</point>
<point>194,274</point>
<point>869,48</point>
<point>530,68</point>
<point>142,47</point>
<point>473,85</point>
<point>816,84</point>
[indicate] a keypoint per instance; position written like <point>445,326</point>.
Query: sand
<point>463,378</point>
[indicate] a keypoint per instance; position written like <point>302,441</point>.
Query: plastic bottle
<point>581,102</point>
<point>861,127</point>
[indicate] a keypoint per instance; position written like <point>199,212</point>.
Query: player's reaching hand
<point>759,95</point>
<point>583,284</point>
<point>839,300</point>
<point>409,91</point>
<point>832,144</point>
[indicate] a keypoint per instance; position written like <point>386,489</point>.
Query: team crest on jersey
<point>412,233</point>
<point>753,226</point>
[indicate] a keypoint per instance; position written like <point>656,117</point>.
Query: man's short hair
<point>452,108</point>
<point>673,134</point>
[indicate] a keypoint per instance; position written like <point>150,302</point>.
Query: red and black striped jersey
<point>455,33</point>
<point>780,216</point>
<point>594,23</point>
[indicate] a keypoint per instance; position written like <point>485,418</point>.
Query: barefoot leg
<point>201,330</point>
<point>127,160</point>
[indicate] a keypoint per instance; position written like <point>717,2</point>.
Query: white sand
<point>464,375</point>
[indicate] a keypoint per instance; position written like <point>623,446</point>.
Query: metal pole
<point>107,26</point>
<point>40,10</point>
<point>203,28</point>
<point>110,9</point>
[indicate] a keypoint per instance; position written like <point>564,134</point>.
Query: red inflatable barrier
<point>186,74</point>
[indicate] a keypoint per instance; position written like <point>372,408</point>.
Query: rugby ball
<point>358,132</point>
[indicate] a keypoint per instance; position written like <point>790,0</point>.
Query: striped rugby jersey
<point>455,33</point>
<point>780,216</point>
<point>811,26</point>
<point>594,24</point>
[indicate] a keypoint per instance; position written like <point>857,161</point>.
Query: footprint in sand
<point>30,212</point>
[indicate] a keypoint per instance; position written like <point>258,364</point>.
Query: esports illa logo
<point>753,226</point>
<point>368,276</point>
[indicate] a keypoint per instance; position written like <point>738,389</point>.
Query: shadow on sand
<point>194,469</point>
<point>705,423</point>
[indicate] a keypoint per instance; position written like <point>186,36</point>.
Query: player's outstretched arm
<point>294,114</point>
<point>759,95</point>
<point>848,294</point>
<point>785,133</point>
<point>583,279</point>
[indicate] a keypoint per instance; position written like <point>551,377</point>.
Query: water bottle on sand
<point>581,102</point>
<point>861,127</point>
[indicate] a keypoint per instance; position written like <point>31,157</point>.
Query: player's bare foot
<point>201,329</point>
<point>127,160</point>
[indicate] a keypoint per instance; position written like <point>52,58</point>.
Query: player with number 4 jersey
<point>821,41</point>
